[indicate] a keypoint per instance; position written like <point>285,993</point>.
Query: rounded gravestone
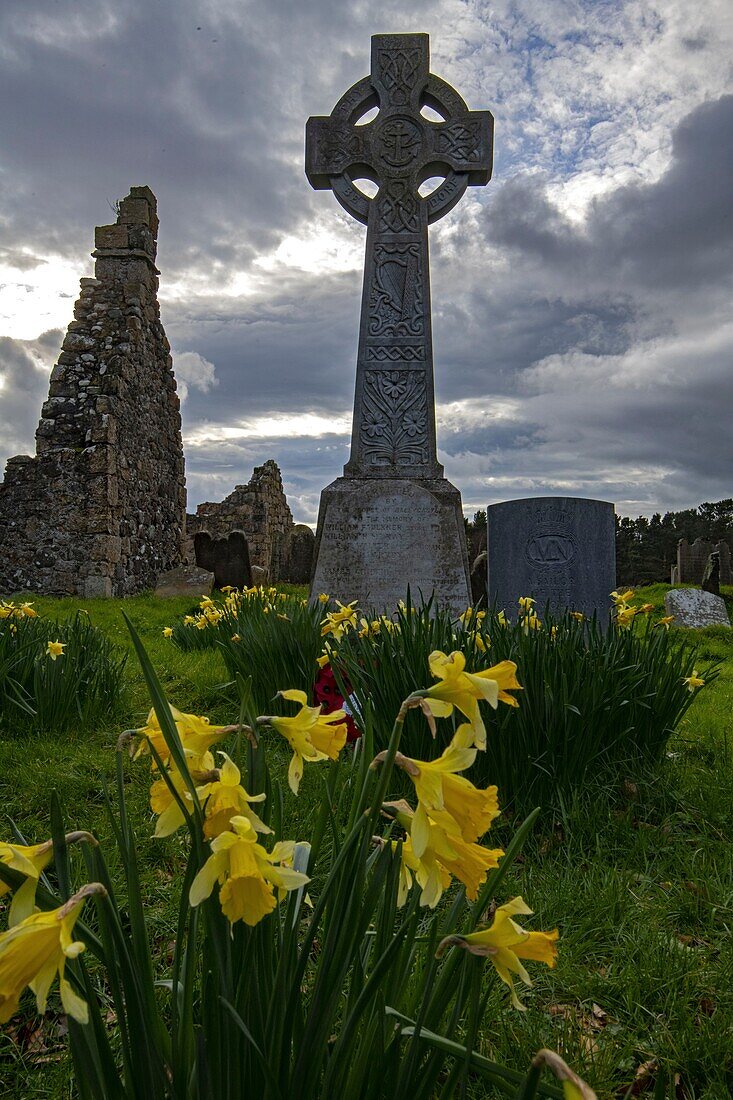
<point>559,550</point>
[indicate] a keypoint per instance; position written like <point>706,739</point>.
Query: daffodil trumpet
<point>505,943</point>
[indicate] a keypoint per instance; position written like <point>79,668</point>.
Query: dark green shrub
<point>591,700</point>
<point>79,688</point>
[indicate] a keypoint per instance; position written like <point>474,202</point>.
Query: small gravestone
<point>300,565</point>
<point>185,580</point>
<point>559,550</point>
<point>711,577</point>
<point>478,579</point>
<point>228,559</point>
<point>694,608</point>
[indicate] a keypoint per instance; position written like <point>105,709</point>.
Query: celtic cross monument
<point>393,520</point>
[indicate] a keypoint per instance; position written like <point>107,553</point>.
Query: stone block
<point>135,211</point>
<point>94,587</point>
<point>559,550</point>
<point>111,236</point>
<point>185,580</point>
<point>377,537</point>
<point>693,608</point>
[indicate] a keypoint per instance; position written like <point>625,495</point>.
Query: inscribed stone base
<point>559,550</point>
<point>692,607</point>
<point>376,537</point>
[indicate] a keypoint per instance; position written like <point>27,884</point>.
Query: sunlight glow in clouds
<point>303,426</point>
<point>36,299</point>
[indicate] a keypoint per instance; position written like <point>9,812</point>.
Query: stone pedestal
<point>377,536</point>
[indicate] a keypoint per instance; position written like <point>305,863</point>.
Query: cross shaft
<point>393,432</point>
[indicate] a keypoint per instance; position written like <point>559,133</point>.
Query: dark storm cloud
<point>571,352</point>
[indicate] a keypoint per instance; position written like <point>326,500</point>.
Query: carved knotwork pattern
<point>338,147</point>
<point>461,140</point>
<point>396,295</point>
<point>399,70</point>
<point>394,418</point>
<point>393,354</point>
<point>398,209</point>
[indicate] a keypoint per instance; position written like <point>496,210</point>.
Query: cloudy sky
<point>581,301</point>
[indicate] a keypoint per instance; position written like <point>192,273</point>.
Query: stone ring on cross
<point>400,148</point>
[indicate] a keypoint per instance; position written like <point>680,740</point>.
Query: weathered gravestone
<point>227,559</point>
<point>694,608</point>
<point>559,550</point>
<point>393,520</point>
<point>300,554</point>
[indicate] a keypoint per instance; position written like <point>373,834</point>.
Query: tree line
<point>646,548</point>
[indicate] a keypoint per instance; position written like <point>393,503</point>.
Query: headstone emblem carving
<point>393,433</point>
<point>559,550</point>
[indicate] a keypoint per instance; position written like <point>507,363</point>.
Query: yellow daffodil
<point>525,604</point>
<point>578,615</point>
<point>247,874</point>
<point>197,735</point>
<point>446,851</point>
<point>165,805</point>
<point>323,597</point>
<point>471,617</point>
<point>623,597</point>
<point>531,622</point>
<point>28,611</point>
<point>323,660</point>
<point>625,616</point>
<point>666,622</point>
<point>202,622</point>
<point>228,588</point>
<point>505,943</point>
<point>646,608</point>
<point>236,638</point>
<point>167,631</point>
<point>30,860</point>
<point>188,620</point>
<point>34,951</point>
<point>338,622</point>
<point>481,643</point>
<point>206,601</point>
<point>553,632</point>
<point>225,798</point>
<point>695,681</point>
<point>369,629</point>
<point>463,690</point>
<point>55,649</point>
<point>440,789</point>
<point>7,610</point>
<point>310,734</point>
<point>502,619</point>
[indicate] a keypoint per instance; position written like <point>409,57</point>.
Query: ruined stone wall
<point>259,509</point>
<point>100,509</point>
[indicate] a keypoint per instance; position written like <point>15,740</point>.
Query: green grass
<point>639,882</point>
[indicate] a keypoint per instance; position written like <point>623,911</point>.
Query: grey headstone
<point>227,559</point>
<point>392,516</point>
<point>185,580</point>
<point>692,607</point>
<point>711,577</point>
<point>560,550</point>
<point>300,557</point>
